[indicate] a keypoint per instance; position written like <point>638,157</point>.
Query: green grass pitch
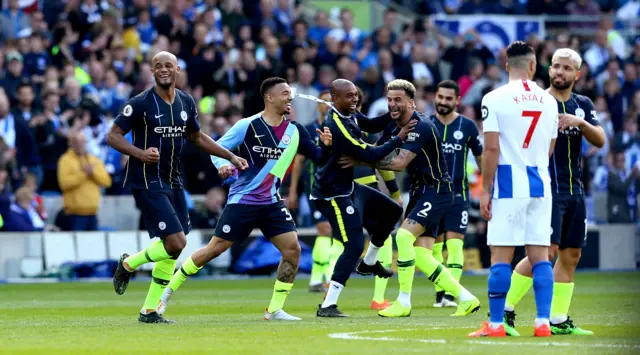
<point>224,317</point>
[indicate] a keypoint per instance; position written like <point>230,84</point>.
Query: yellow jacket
<point>81,192</point>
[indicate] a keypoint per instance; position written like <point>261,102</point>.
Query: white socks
<point>405,299</point>
<point>465,295</point>
<point>332,294</point>
<point>508,309</point>
<point>558,319</point>
<point>540,321</point>
<point>372,255</point>
<point>494,325</point>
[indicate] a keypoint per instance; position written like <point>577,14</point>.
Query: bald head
<point>164,66</point>
<point>345,96</point>
<point>164,56</point>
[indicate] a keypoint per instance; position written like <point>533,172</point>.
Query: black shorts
<point>428,209</point>
<point>316,215</point>
<point>456,217</point>
<point>569,221</point>
<point>365,207</point>
<point>164,211</point>
<point>238,220</point>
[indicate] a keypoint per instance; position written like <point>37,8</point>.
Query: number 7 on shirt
<point>536,116</point>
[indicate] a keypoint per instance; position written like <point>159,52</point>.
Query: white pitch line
<point>355,336</point>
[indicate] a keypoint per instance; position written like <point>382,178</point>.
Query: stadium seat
<point>59,247</point>
<point>91,246</point>
<point>121,242</point>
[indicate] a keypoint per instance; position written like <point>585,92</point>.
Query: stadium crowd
<point>67,67</point>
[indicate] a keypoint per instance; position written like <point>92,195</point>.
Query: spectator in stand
<point>13,22</point>
<point>621,203</point>
<point>30,181</point>
<point>475,73</point>
<point>305,109</point>
<point>81,177</point>
<point>13,76</point>
<point>21,216</point>
<point>50,134</point>
<point>207,217</point>
<point>346,32</point>
<point>628,141</point>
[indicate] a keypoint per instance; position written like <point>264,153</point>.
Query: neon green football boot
<point>396,310</point>
<point>568,328</point>
<point>467,307</point>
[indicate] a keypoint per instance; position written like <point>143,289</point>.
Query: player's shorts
<point>316,215</point>
<point>238,220</point>
<point>365,207</point>
<point>520,221</point>
<point>164,211</point>
<point>569,221</point>
<point>456,217</point>
<point>428,209</point>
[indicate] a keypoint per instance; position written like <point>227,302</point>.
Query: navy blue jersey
<point>269,151</point>
<point>155,123</point>
<point>428,170</point>
<point>457,138</point>
<point>565,162</point>
<point>366,174</point>
<point>331,179</point>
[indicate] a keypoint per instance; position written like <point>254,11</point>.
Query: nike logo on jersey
<point>259,136</point>
<point>158,116</point>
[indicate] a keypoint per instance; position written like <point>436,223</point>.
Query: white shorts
<point>520,221</point>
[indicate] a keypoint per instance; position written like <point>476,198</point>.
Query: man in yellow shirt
<point>81,177</point>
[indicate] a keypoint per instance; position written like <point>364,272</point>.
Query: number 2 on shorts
<point>536,116</point>
<point>423,212</point>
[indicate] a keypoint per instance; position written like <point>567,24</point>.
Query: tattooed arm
<point>397,163</point>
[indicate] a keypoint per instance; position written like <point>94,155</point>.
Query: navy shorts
<point>164,211</point>
<point>428,209</point>
<point>456,217</point>
<point>316,215</point>
<point>569,221</point>
<point>365,207</point>
<point>238,220</point>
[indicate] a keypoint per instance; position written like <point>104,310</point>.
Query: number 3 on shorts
<point>286,211</point>
<point>423,212</point>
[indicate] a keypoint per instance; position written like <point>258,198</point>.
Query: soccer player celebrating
<point>458,135</point>
<point>431,195</point>
<point>160,118</point>
<point>366,175</point>
<point>321,254</point>
<point>269,141</point>
<point>350,206</point>
<point>569,215</point>
<point>520,122</point>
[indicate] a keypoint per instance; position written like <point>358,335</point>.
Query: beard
<point>443,109</point>
<point>562,86</point>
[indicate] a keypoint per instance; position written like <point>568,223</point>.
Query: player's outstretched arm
<point>593,133</point>
<point>208,145</point>
<point>373,124</point>
<point>230,140</point>
<point>346,143</point>
<point>397,163</point>
<point>307,147</point>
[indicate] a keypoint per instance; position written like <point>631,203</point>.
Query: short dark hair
<point>449,84</point>
<point>24,84</point>
<point>268,83</point>
<point>324,92</point>
<point>518,49</point>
